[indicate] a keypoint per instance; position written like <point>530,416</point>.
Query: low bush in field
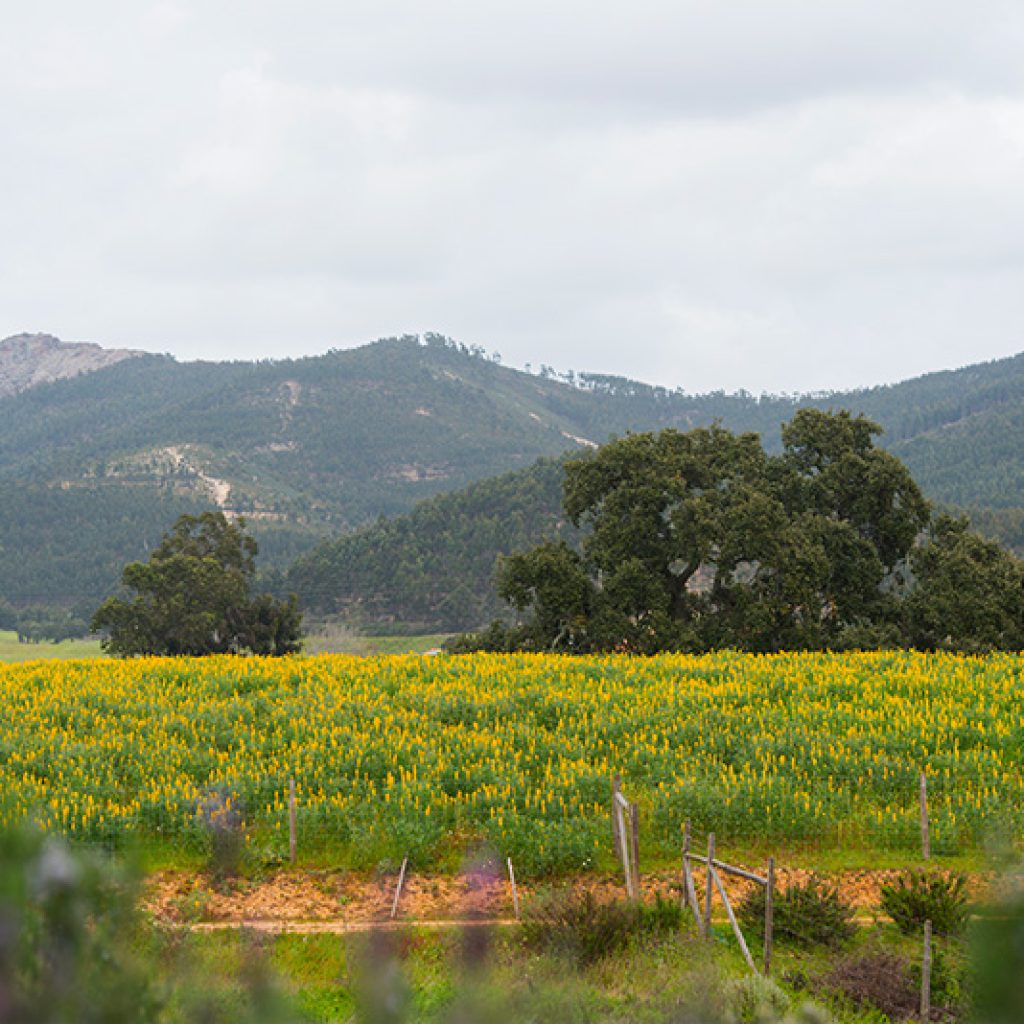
<point>916,897</point>
<point>810,913</point>
<point>881,981</point>
<point>585,929</point>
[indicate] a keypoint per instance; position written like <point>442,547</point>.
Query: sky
<point>776,196</point>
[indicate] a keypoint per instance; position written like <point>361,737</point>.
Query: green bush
<point>810,913</point>
<point>916,897</point>
<point>997,960</point>
<point>950,978</point>
<point>584,929</point>
<point>661,917</point>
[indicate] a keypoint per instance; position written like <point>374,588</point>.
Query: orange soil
<point>348,899</point>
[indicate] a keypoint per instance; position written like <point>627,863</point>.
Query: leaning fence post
<point>926,974</point>
<point>634,828</point>
<point>685,897</point>
<point>292,836</point>
<point>515,892</point>
<point>926,847</point>
<point>737,931</point>
<point>622,833</point>
<point>706,924</point>
<point>769,914</point>
<point>398,888</point>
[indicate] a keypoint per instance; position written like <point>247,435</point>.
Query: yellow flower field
<point>398,755</point>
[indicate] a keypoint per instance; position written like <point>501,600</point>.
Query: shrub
<point>810,913</point>
<point>585,929</point>
<point>916,897</point>
<point>660,917</point>
<point>222,820</point>
<point>997,961</point>
<point>755,999</point>
<point>950,980</point>
<point>880,980</point>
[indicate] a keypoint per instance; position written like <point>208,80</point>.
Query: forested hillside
<point>322,446</point>
<point>431,569</point>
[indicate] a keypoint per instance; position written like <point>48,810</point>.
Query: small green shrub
<point>810,913</point>
<point>222,819</point>
<point>949,979</point>
<point>584,929</point>
<point>755,999</point>
<point>916,897</point>
<point>661,917</point>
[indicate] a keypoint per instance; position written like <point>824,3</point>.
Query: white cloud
<point>770,196</point>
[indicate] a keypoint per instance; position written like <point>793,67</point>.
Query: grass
<point>344,641</point>
<point>650,982</point>
<point>12,650</point>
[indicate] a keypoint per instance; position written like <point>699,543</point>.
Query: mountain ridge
<point>323,445</point>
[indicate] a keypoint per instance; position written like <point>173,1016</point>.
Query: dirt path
<point>342,901</point>
<point>343,927</point>
<point>220,490</point>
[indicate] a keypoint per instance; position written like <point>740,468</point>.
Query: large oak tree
<point>701,539</point>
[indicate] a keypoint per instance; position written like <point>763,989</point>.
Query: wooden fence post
<point>926,974</point>
<point>616,832</point>
<point>769,915</point>
<point>684,898</point>
<point>737,931</point>
<point>398,888</point>
<point>926,846</point>
<point>634,828</point>
<point>622,828</point>
<point>292,831</point>
<point>515,892</point>
<point>706,925</point>
<point>689,890</point>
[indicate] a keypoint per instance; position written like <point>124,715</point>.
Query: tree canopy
<point>700,540</point>
<point>193,597</point>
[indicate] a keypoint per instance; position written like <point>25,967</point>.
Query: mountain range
<point>101,449</point>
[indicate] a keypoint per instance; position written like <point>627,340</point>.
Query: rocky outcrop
<point>27,360</point>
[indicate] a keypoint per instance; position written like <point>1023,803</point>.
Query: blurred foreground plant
<point>71,942</point>
<point>74,947</point>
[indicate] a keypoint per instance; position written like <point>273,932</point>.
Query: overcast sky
<point>770,194</point>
